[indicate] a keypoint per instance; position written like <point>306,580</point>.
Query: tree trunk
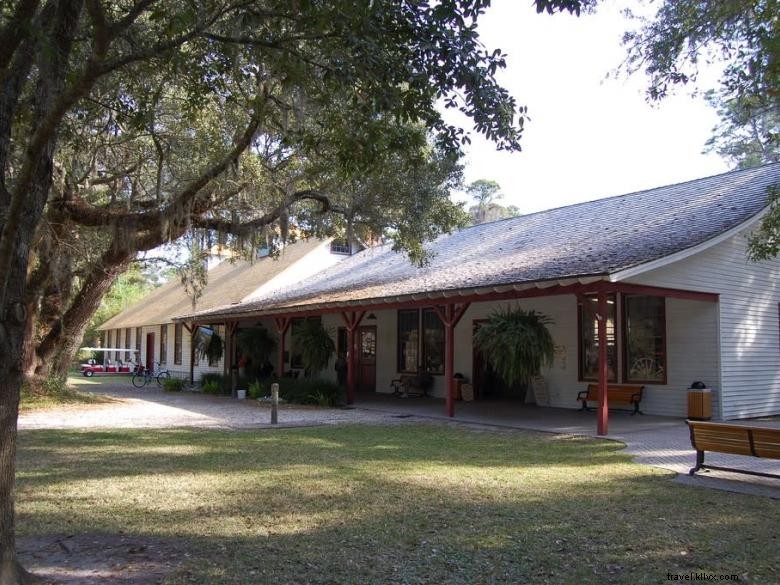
<point>22,213</point>
<point>59,346</point>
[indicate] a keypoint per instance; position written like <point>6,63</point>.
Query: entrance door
<point>366,359</point>
<point>150,351</point>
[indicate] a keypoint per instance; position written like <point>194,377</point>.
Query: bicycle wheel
<point>162,376</point>
<point>139,380</point>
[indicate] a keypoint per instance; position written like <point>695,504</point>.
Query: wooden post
<point>282,325</point>
<point>274,403</point>
<point>191,328</point>
<point>352,321</point>
<point>603,409</point>
<point>227,361</point>
<point>450,315</point>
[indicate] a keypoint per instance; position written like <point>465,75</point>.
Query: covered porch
<point>588,316</point>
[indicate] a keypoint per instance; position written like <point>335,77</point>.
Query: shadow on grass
<point>402,504</point>
<point>47,456</point>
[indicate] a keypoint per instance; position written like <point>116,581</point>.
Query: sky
<point>588,136</point>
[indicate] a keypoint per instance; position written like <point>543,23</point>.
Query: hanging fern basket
<point>517,344</point>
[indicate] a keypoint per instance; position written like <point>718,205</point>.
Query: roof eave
<point>451,294</point>
<point>640,269</point>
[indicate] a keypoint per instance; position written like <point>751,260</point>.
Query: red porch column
<point>282,325</point>
<point>352,319</point>
<point>603,409</point>
<point>450,315</point>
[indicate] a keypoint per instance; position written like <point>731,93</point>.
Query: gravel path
<point>153,408</point>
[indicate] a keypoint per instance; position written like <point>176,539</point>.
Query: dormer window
<point>340,246</point>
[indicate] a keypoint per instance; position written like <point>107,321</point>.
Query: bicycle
<point>144,376</point>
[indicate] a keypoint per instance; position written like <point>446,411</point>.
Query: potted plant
<point>517,344</point>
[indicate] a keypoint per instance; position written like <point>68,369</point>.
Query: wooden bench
<point>734,439</point>
<point>616,393</point>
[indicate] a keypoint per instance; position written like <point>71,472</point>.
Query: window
<point>433,342</point>
<point>138,335</point>
<point>417,351</point>
<point>589,339</point>
<point>408,341</point>
<point>340,246</point>
<point>109,340</point>
<point>644,339</point>
<point>163,344</point>
<point>127,344</point>
<point>177,333</point>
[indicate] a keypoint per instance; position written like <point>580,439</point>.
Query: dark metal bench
<point>734,439</point>
<point>617,393</point>
<point>412,385</point>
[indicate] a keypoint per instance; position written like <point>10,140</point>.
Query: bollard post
<point>274,403</point>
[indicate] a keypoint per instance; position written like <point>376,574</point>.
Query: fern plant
<point>516,343</point>
<point>255,343</point>
<point>209,346</point>
<point>316,346</point>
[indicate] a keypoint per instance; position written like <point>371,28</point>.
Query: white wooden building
<point>148,325</point>
<point>683,302</point>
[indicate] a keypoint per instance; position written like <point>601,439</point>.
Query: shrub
<point>52,386</point>
<point>211,387</point>
<point>311,391</point>
<point>217,384</point>
<point>173,384</point>
<point>255,390</point>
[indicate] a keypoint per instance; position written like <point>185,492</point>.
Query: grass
<point>392,504</point>
<point>53,393</point>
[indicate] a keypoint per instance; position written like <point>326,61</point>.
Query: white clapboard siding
<point>749,336</point>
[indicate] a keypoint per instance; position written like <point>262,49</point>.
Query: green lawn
<point>399,504</point>
<point>77,392</point>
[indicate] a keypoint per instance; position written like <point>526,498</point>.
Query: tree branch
<point>271,216</point>
<point>80,212</point>
<point>12,34</point>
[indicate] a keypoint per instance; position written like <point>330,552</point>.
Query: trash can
<point>458,380</point>
<point>699,402</point>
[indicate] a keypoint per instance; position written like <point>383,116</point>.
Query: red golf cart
<point>108,367</point>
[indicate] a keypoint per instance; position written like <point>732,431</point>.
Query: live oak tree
<point>748,134</point>
<point>129,123</point>
<point>683,34</point>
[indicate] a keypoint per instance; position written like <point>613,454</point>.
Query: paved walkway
<point>152,408</point>
<point>658,441</point>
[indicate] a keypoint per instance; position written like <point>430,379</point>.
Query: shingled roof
<point>582,241</point>
<point>228,283</point>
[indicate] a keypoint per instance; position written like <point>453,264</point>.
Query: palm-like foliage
<point>256,343</point>
<point>516,343</point>
<point>315,344</point>
<point>209,346</point>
